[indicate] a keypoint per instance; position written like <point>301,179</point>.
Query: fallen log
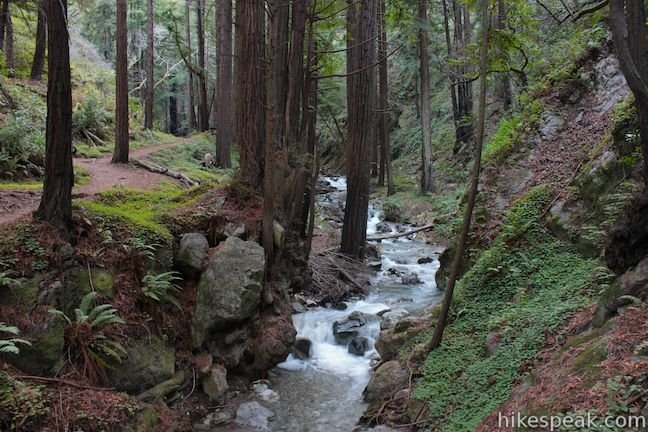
<point>404,234</point>
<point>153,167</point>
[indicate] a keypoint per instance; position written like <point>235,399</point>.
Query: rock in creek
<point>217,418</point>
<point>230,289</point>
<point>383,227</point>
<point>390,318</point>
<point>298,308</point>
<point>358,345</point>
<point>425,260</point>
<point>263,392</point>
<point>301,349</point>
<point>214,384</point>
<point>254,415</point>
<point>411,279</point>
<point>347,329</point>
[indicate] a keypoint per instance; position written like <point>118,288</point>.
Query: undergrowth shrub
<point>20,139</point>
<point>160,287</point>
<point>10,346</point>
<point>90,118</point>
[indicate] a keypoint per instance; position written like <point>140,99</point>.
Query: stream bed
<point>324,392</point>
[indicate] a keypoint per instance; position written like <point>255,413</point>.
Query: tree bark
<point>224,108</point>
<point>295,73</point>
<point>427,174</point>
<point>464,130</point>
<point>203,109</point>
<point>56,202</point>
<point>384,101</point>
<point>120,154</point>
<point>474,185</point>
<point>9,45</point>
<point>361,26</point>
<point>41,45</point>
<point>173,108</point>
<point>3,22</point>
<point>505,79</point>
<point>190,83</point>
<point>150,79</point>
<point>250,118</point>
<point>453,69</point>
<point>627,20</point>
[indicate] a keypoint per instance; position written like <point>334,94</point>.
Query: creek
<point>324,392</point>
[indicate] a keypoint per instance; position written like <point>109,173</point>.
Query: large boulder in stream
<point>359,345</point>
<point>348,328</point>
<point>253,415</point>
<point>230,288</point>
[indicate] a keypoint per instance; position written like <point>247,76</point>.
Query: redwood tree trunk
<point>3,22</point>
<point>173,108</point>
<point>41,45</point>
<point>384,101</point>
<point>250,118</point>
<point>464,130</point>
<point>361,26</point>
<point>427,174</point>
<point>190,84</point>
<point>224,108</point>
<point>203,109</point>
<point>150,80</point>
<point>9,45</point>
<point>56,202</point>
<point>296,73</point>
<point>120,155</point>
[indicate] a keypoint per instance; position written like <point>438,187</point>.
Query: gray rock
<point>234,230</point>
<point>253,414</point>
<point>230,289</point>
<point>347,329</point>
<point>492,343</point>
<point>411,279</point>
<point>42,357</point>
<point>148,364</point>
<point>383,227</point>
<point>633,283</point>
<point>301,349</point>
<point>191,253</point>
<point>263,392</point>
<point>389,377</point>
<point>217,418</point>
<point>425,260</point>
<point>358,345</point>
<point>298,308</point>
<point>214,384</point>
<point>550,125</point>
<point>389,319</point>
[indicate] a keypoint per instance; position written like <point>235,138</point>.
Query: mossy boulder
<point>77,284</point>
<point>46,351</point>
<point>191,253</point>
<point>23,292</point>
<point>149,363</point>
<point>631,284</point>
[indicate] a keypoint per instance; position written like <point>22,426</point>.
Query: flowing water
<point>324,393</point>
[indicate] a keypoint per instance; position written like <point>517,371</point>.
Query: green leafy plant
<point>19,139</point>
<point>160,287</point>
<point>10,346</point>
<point>90,119</point>
<point>88,346</point>
<point>140,247</point>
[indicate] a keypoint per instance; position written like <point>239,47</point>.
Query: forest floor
<point>18,201</point>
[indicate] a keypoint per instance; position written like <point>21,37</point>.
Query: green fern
<point>10,346</point>
<point>86,342</point>
<point>139,247</point>
<point>160,287</point>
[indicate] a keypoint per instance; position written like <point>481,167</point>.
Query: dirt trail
<point>16,204</point>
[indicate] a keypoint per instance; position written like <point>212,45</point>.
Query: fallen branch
<point>404,234</point>
<point>153,167</point>
<point>61,381</point>
<point>589,9</point>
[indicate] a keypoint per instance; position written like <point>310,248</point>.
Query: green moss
<point>525,284</point>
<point>22,406</point>
<point>45,352</point>
<point>21,186</point>
<point>588,362</point>
<point>21,293</point>
<point>144,210</point>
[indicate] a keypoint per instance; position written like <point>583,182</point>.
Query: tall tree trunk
<point>384,101</point>
<point>3,22</point>
<point>427,174</point>
<point>505,79</point>
<point>310,82</point>
<point>203,109</point>
<point>627,20</point>
<point>173,108</point>
<point>361,26</point>
<point>250,118</point>
<point>224,108</point>
<point>150,80</point>
<point>9,46</point>
<point>474,184</point>
<point>120,155</point>
<point>296,72</point>
<point>190,82</point>
<point>464,130</point>
<point>56,202</point>
<point>453,69</point>
<point>41,45</point>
